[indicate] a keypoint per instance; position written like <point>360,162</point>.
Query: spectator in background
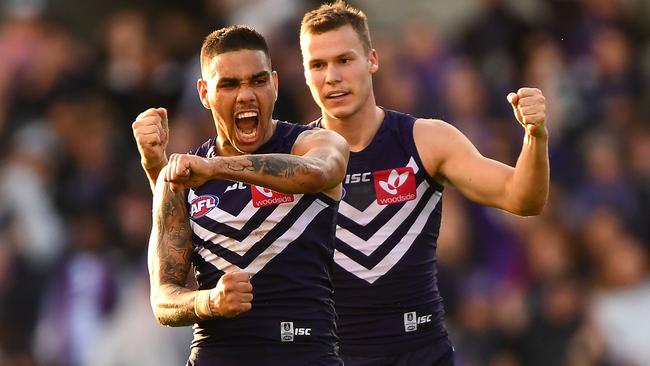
<point>80,298</point>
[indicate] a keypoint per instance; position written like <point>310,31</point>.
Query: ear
<point>306,74</point>
<point>373,60</point>
<point>202,88</point>
<point>274,75</point>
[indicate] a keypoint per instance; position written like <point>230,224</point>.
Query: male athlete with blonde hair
<point>386,296</point>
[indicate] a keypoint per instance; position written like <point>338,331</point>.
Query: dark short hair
<point>335,15</point>
<point>232,38</point>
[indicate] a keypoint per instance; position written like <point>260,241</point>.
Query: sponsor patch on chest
<point>265,197</point>
<point>394,185</point>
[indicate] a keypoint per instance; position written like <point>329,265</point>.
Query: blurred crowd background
<point>570,287</point>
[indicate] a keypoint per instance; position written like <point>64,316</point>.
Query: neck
<point>359,128</point>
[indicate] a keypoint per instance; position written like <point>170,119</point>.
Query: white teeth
<point>246,115</point>
<point>336,95</point>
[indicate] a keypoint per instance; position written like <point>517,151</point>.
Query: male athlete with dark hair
<point>386,296</point>
<point>252,210</point>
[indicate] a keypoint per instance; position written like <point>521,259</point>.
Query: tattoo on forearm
<point>175,254</point>
<point>236,167</point>
<point>276,165</point>
<point>170,259</point>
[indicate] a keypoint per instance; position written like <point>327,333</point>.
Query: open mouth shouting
<point>246,126</point>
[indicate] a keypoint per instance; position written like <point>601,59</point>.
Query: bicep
<point>480,179</point>
<point>455,160</point>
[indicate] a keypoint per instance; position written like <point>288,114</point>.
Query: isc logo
<point>424,319</point>
<point>302,331</point>
<point>357,177</point>
<point>288,331</point>
<point>201,205</point>
<point>412,320</point>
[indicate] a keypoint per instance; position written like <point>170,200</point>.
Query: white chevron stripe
<point>373,274</point>
<point>367,247</point>
<point>274,249</point>
<point>250,240</point>
<point>238,222</point>
<point>367,215</point>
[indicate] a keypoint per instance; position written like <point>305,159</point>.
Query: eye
<point>260,81</point>
<point>227,85</point>
<point>317,65</point>
<point>344,60</point>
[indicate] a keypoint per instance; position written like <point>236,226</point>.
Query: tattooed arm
<point>170,249</point>
<point>317,163</point>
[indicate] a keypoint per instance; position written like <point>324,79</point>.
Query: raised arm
<point>317,163</point>
<point>169,258</point>
<point>450,157</point>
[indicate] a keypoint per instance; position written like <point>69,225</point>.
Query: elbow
<point>160,319</point>
<point>163,319</point>
<point>159,313</point>
<point>321,181</point>
<point>316,181</point>
<point>530,211</point>
<point>533,208</point>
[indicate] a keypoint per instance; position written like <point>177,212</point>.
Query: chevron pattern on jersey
<point>370,242</point>
<point>251,239</point>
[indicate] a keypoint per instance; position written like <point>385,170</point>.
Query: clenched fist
<point>232,296</point>
<point>529,106</point>
<point>188,171</point>
<point>151,132</point>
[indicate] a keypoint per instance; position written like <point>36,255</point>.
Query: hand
<point>232,296</point>
<point>529,106</point>
<point>151,132</point>
<point>187,171</point>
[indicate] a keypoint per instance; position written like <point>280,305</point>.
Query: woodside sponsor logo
<point>395,185</point>
<point>266,197</point>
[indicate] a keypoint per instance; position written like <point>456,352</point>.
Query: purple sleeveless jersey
<point>285,241</point>
<point>386,294</point>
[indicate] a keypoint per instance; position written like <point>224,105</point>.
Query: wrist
<point>538,133</point>
<point>202,305</point>
<point>216,165</point>
<point>148,165</point>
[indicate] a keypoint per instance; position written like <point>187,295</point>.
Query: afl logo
<point>201,205</point>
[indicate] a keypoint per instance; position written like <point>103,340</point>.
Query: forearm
<point>173,305</point>
<point>529,186</point>
<point>279,172</point>
<point>153,173</point>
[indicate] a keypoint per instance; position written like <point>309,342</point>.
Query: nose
<point>332,75</point>
<point>245,93</point>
